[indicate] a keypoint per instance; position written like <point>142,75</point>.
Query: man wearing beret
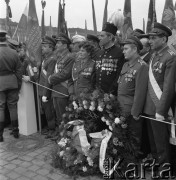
<point>132,86</point>
<point>161,87</point>
<point>48,64</point>
<point>10,84</point>
<point>110,61</point>
<point>61,74</point>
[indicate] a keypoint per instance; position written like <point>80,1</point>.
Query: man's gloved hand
<point>44,99</point>
<point>159,117</point>
<point>136,118</point>
<point>26,78</point>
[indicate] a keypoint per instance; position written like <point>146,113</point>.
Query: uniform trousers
<point>60,105</point>
<point>11,98</point>
<point>159,140</point>
<point>135,127</point>
<point>49,112</point>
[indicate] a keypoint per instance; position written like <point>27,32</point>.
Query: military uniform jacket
<point>83,76</point>
<point>132,87</point>
<point>108,68</point>
<point>60,79</point>
<point>10,69</point>
<point>164,71</point>
<point>47,68</point>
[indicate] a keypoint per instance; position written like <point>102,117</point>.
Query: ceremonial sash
<point>156,93</point>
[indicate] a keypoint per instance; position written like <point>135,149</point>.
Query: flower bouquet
<point>92,130</point>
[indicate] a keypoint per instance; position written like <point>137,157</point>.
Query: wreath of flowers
<point>91,113</point>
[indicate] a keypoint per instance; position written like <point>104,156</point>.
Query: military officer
<point>110,62</point>
<point>61,74</point>
<point>161,87</point>
<point>48,64</point>
<point>132,86</point>
<point>10,84</point>
<point>83,71</point>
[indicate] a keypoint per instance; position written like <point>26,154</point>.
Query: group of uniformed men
<point>141,71</point>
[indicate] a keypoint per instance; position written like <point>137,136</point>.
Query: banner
<point>168,18</point>
<point>21,29</point>
<point>105,16</point>
<point>127,27</point>
<point>94,18</point>
<point>33,35</point>
<point>151,16</point>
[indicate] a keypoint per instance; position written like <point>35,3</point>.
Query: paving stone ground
<point>32,165</point>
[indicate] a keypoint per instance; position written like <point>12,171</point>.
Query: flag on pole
<point>85,27</point>
<point>8,22</point>
<point>151,16</point>
<point>50,29</point>
<point>168,18</point>
<point>127,27</point>
<point>43,32</point>
<point>143,24</point>
<point>94,18</point>
<point>105,16</point>
<point>21,29</point>
<point>61,21</point>
<point>33,35</point>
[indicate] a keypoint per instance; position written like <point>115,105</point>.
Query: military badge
<point>129,76</point>
<point>157,67</point>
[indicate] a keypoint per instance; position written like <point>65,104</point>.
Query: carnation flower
<point>100,108</point>
<point>117,120</point>
<point>115,141</point>
<point>84,102</point>
<point>103,119</point>
<point>92,108</point>
<point>121,144</point>
<point>90,162</point>
<point>107,123</point>
<point>84,168</point>
<point>63,142</point>
<point>75,105</point>
<point>61,153</point>
<point>92,103</point>
<point>85,107</point>
<point>124,126</point>
<point>108,106</point>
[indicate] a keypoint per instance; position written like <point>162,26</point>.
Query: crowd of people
<point>140,71</point>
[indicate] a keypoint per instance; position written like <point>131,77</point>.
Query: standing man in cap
<point>95,41</point>
<point>61,75</point>
<point>10,84</point>
<point>161,87</point>
<point>132,87</point>
<point>76,40</point>
<point>48,64</point>
<point>110,62</point>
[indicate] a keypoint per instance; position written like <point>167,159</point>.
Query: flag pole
<point>8,28</point>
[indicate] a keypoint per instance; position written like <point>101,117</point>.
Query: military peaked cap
<point>160,29</point>
<point>78,38</point>
<point>49,40</point>
<point>3,33</point>
<point>110,28</point>
<point>133,40</point>
<point>64,38</point>
<point>91,37</point>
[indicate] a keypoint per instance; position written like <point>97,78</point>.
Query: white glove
<point>26,78</point>
<point>44,99</point>
<point>159,117</point>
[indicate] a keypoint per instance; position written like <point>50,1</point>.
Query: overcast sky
<point>77,11</point>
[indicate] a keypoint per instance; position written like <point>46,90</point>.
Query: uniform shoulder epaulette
<point>141,61</point>
<point>171,52</point>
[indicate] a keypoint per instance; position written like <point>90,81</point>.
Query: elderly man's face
<point>104,38</point>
